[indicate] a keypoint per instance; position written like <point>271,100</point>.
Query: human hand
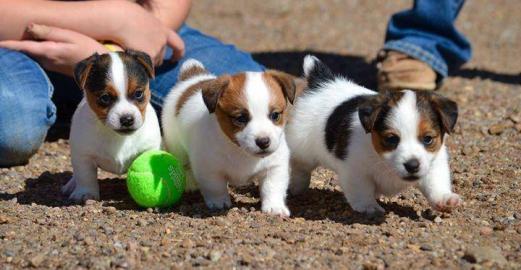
<point>140,30</point>
<point>54,48</point>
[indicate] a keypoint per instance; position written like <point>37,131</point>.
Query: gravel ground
<point>39,228</point>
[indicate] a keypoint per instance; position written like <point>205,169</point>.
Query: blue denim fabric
<point>217,57</point>
<point>26,91</point>
<point>27,109</point>
<point>427,32</point>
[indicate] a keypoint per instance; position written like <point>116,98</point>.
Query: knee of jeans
<point>17,150</point>
<point>27,114</point>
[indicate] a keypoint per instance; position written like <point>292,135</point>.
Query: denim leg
<point>217,57</point>
<point>427,32</point>
<point>27,109</point>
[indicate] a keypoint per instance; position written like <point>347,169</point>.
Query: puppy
<point>379,144</point>
<point>230,129</point>
<point>114,122</point>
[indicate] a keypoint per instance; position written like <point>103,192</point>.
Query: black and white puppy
<point>379,144</point>
<point>114,122</point>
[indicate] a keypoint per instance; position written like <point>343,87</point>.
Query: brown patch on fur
<point>379,145</point>
<point>427,127</point>
<point>278,97</point>
<point>232,102</point>
<point>188,93</point>
<point>191,72</point>
<point>92,100</point>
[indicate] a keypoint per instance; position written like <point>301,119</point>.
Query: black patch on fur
<point>98,76</point>
<point>318,75</point>
<point>339,126</point>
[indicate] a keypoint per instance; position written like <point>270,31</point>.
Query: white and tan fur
<point>371,164</point>
<point>98,137</point>
<point>199,128</point>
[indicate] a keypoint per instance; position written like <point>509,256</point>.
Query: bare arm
<point>92,18</point>
<point>171,12</point>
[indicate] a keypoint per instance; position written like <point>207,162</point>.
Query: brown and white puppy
<point>379,144</point>
<point>114,122</point>
<point>230,129</point>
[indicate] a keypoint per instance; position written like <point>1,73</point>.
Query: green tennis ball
<point>156,179</point>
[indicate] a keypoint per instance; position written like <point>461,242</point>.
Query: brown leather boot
<point>397,71</point>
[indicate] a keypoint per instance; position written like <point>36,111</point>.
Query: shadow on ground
<point>314,204</point>
<point>360,69</point>
<point>354,67</point>
<point>471,73</point>
<point>319,204</point>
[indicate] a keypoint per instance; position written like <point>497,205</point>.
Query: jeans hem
<point>417,52</point>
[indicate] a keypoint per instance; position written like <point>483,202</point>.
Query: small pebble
<point>426,247</point>
<point>437,220</point>
<point>187,243</point>
<point>215,255</point>
<point>37,260</point>
<point>486,231</point>
<point>110,210</point>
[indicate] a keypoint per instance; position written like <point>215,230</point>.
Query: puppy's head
<point>251,108</point>
<point>408,128</point>
<point>116,87</point>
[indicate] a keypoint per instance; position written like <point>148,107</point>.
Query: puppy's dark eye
<point>241,119</point>
<point>427,140</point>
<point>392,140</point>
<point>105,100</point>
<point>275,116</point>
<point>138,95</point>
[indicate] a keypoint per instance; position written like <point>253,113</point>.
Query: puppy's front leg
<point>436,186</point>
<point>84,183</point>
<point>273,190</point>
<point>359,190</point>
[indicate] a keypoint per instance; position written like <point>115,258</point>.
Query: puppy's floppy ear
<point>212,91</point>
<point>447,111</point>
<point>369,110</point>
<point>286,83</point>
<point>83,68</point>
<point>144,60</point>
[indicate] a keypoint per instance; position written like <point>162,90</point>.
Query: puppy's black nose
<point>126,121</point>
<point>412,165</point>
<point>263,142</point>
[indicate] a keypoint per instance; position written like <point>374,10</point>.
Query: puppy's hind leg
<point>69,186</point>
<point>300,177</point>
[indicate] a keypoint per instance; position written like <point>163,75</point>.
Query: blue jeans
<point>427,32</point>
<point>30,96</point>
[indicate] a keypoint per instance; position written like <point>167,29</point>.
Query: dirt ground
<point>39,228</point>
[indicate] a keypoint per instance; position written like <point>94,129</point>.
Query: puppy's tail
<point>191,68</point>
<point>316,72</point>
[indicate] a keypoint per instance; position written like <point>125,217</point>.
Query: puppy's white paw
<point>68,188</point>
<point>368,208</point>
<point>279,209</point>
<point>219,202</point>
<point>81,194</point>
<point>447,202</point>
